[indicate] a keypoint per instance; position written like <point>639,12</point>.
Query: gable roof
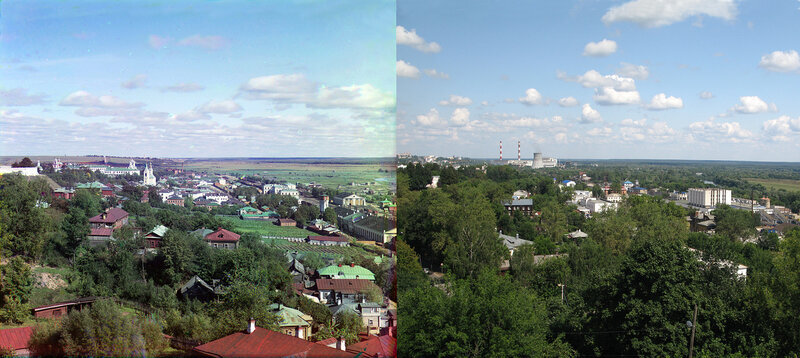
<point>375,346</point>
<point>112,215</point>
<point>289,316</point>
<point>195,280</point>
<point>102,231</point>
<point>347,272</point>
<point>266,343</point>
<point>222,235</point>
<point>15,338</point>
<point>519,202</point>
<point>345,285</point>
<point>159,231</point>
<point>513,242</point>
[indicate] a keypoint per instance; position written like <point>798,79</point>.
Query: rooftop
<point>265,343</point>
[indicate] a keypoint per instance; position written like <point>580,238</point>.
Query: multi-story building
<point>709,197</point>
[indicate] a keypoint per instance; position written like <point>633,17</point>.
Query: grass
<point>777,184</point>
<point>266,228</point>
<point>334,252</point>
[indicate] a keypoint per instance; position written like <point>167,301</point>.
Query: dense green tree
<point>485,317</point>
<point>734,223</point>
<point>76,228</point>
<point>24,221</point>
<point>176,248</point>
<point>329,215</point>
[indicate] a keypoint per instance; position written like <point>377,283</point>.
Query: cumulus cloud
<point>184,87</point>
<point>600,49</point>
<point>20,97</point>
<point>656,13</point>
<point>781,129</point>
<point>633,71</point>
<point>780,61</point>
<point>644,130</point>
<point>86,99</point>
<point>661,101</point>
<point>532,97</point>
<point>296,88</point>
<point>404,69</point>
<point>593,79</point>
<point>135,82</point>
<point>456,100</point>
<point>706,95</point>
<point>410,38</point>
<point>713,131</point>
<point>206,42</point>
<point>223,106</point>
<point>568,102</point>
<point>430,119</point>
<point>460,117</point>
<point>753,104</point>
<point>610,96</point>
<point>589,114</point>
<point>436,74</point>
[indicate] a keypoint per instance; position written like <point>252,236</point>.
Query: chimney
<point>251,327</point>
<point>340,344</point>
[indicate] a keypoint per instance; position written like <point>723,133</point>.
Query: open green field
<point>326,251</point>
<point>381,176</point>
<point>266,228</point>
<point>786,184</point>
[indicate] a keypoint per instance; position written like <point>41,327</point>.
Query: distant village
<point>342,287</point>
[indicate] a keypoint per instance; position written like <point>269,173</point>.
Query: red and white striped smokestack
<point>501,150</point>
<point>519,153</point>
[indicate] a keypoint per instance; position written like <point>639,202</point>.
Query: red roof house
<point>375,346</point>
<point>223,239</point>
<point>260,342</point>
<point>111,218</point>
<point>17,339</point>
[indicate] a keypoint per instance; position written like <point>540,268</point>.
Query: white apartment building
<point>708,197</point>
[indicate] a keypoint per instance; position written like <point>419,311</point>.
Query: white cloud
<point>753,104</point>
<point>484,103</point>
<point>593,79</point>
<point>721,131</point>
<point>610,96</point>
<point>568,102</point>
<point>460,117</point>
<point>135,82</point>
<point>633,71</point>
<point>404,69</point>
<point>532,97</point>
<point>589,114</point>
<point>656,13</point>
<point>296,88</point>
<point>779,61</point>
<point>410,38</point>
<point>206,42</point>
<point>456,100</point>
<point>600,49</point>
<point>430,119</point>
<point>706,95</point>
<point>184,87</point>
<point>661,101</point>
<point>86,99</point>
<point>224,106</point>
<point>780,128</point>
<point>436,74</point>
<point>19,97</point>
<point>642,130</point>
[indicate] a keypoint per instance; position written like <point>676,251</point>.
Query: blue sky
<point>698,79</point>
<point>189,78</point>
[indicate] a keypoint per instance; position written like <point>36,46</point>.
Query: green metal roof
<point>159,230</point>
<point>93,185</point>
<point>347,272</point>
<point>290,317</point>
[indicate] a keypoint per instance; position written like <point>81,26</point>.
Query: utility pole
<point>694,326</point>
<point>562,292</point>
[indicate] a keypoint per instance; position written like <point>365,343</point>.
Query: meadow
<point>265,228</point>
<point>777,184</point>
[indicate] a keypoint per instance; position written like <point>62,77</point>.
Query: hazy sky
<point>685,79</point>
<point>189,78</point>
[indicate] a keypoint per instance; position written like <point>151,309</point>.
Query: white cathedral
<point>148,178</point>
